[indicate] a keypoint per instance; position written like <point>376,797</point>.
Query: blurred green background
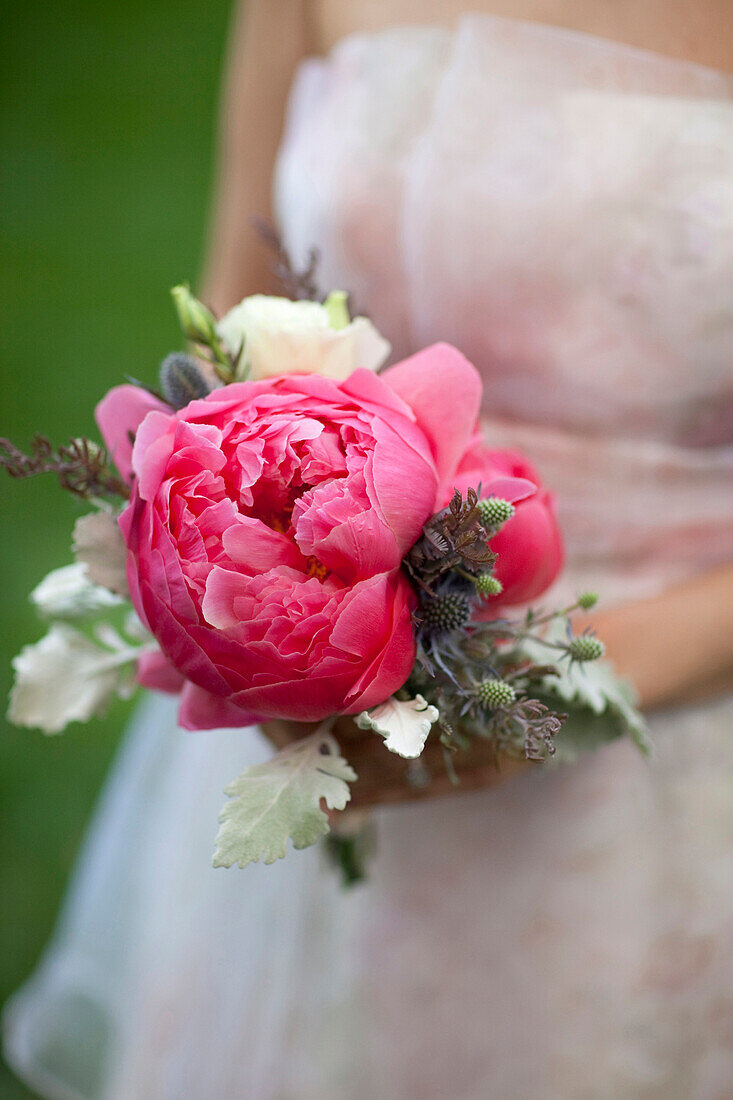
<point>106,157</point>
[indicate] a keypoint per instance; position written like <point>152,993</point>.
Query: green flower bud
<point>586,647</point>
<point>494,512</point>
<point>337,309</point>
<point>197,321</point>
<point>444,613</point>
<point>486,585</point>
<point>495,693</point>
<point>586,600</point>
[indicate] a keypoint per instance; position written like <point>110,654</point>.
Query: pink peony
<point>267,526</point>
<point>268,522</point>
<point>529,545</point>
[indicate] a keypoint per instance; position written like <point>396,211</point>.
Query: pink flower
<point>529,545</point>
<point>267,526</point>
<point>118,415</point>
<point>268,523</point>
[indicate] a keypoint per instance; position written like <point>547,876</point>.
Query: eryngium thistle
<point>486,585</point>
<point>586,600</point>
<point>494,512</point>
<point>444,613</point>
<point>586,648</point>
<point>495,693</point>
<point>181,380</point>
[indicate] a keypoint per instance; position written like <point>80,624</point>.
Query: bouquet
<point>282,535</point>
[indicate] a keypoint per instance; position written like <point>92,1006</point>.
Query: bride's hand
<point>676,647</point>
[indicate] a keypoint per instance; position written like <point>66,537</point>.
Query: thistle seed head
<point>445,613</point>
<point>181,380</point>
<point>494,512</point>
<point>495,693</point>
<point>586,648</point>
<point>486,585</point>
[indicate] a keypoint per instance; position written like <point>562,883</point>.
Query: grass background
<point>106,153</point>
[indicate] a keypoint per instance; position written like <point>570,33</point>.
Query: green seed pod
<point>586,648</point>
<point>495,693</point>
<point>586,600</point>
<point>494,512</point>
<point>486,585</point>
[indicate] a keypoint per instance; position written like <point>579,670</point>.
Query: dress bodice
<point>560,208</point>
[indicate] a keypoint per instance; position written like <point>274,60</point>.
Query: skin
<point>676,647</point>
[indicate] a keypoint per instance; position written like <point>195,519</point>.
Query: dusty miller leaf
<point>405,725</point>
<point>99,543</point>
<point>69,677</point>
<point>70,593</point>
<point>280,799</point>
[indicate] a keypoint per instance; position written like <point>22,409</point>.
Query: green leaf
<point>281,799</point>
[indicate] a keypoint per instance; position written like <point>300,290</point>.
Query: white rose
<point>278,336</point>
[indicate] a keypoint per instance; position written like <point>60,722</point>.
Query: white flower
<point>404,725</point>
<point>98,542</point>
<point>68,677</point>
<point>68,593</point>
<point>279,336</point>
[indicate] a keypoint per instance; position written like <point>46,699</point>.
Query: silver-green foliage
<point>281,799</point>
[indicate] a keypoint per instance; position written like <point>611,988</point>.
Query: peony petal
<point>224,588</point>
<point>529,545</point>
<point>155,672</point>
<point>530,551</point>
<point>256,547</point>
<point>393,664</point>
<point>200,710</point>
<point>154,446</point>
<point>372,391</point>
<point>512,489</point>
<point>119,415</point>
<point>444,391</point>
<point>400,461</point>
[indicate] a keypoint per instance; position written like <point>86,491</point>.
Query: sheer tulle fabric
<point>561,209</point>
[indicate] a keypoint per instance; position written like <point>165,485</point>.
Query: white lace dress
<point>561,208</point>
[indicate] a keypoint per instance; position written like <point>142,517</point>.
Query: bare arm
<point>268,41</point>
<point>678,646</point>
